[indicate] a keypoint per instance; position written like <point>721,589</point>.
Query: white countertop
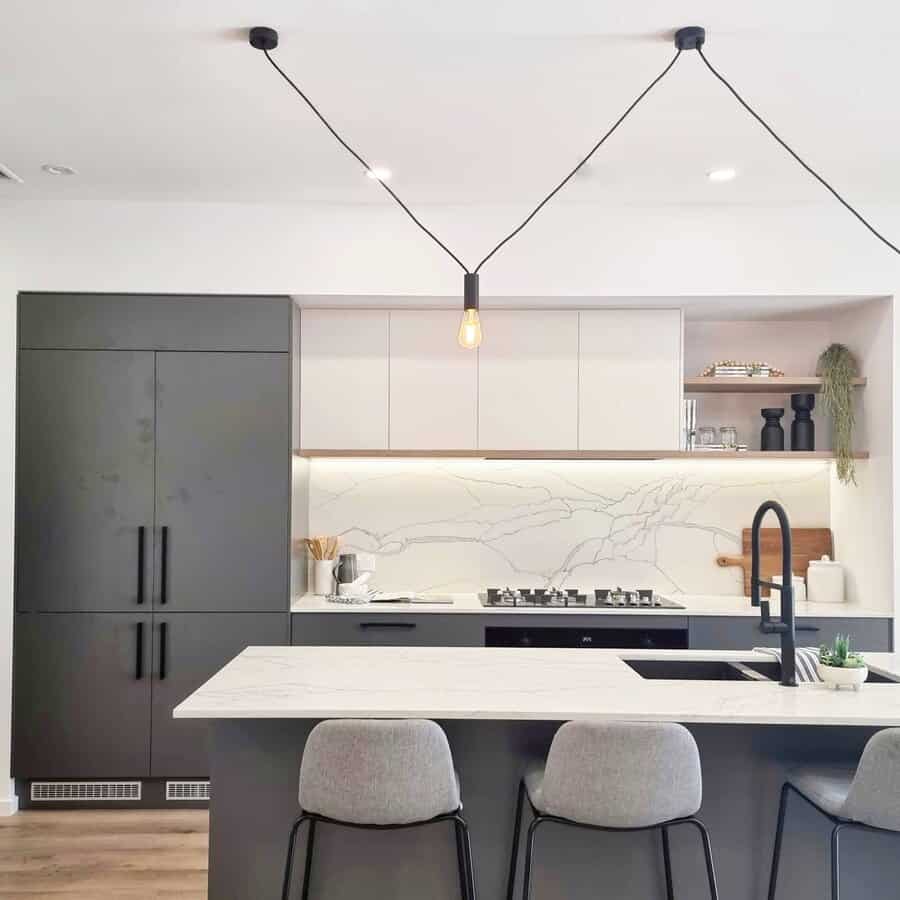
<point>695,605</point>
<point>519,684</point>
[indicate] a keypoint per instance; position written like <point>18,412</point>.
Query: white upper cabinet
<point>344,379</point>
<point>631,379</point>
<point>528,380</point>
<point>433,384</point>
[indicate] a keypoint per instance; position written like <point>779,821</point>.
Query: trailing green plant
<point>839,654</point>
<point>837,368</point>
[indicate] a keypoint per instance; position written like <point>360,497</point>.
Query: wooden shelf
<point>572,454</point>
<point>785,384</point>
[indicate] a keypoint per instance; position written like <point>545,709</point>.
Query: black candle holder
<point>803,429</point>
<point>772,435</point>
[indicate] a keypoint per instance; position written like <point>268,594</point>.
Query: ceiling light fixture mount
<point>692,37</point>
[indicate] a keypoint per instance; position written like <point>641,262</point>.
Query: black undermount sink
<point>719,670</point>
<point>694,670</point>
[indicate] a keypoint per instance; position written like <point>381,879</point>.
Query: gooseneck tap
<point>784,625</point>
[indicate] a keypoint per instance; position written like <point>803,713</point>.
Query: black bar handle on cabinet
<point>139,658</point>
<point>806,628</point>
<point>400,626</point>
<point>164,567</point>
<point>163,634</point>
<point>140,587</point>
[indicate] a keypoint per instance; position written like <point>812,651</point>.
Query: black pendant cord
<point>805,165</point>
<point>593,150</point>
<point>362,162</point>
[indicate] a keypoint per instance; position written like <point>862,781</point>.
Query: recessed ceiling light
<point>52,169</point>
<point>722,174</point>
<point>379,173</point>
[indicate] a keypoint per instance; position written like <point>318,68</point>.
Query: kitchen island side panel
<point>255,766</point>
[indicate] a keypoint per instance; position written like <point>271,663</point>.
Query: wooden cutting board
<point>808,543</point>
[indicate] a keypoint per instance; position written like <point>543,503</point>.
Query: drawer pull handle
<point>806,628</point>
<point>400,626</point>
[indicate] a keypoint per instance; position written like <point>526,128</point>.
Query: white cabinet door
<point>434,383</point>
<point>528,380</point>
<point>631,379</point>
<point>344,379</point>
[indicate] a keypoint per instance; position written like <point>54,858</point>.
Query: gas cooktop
<point>572,599</point>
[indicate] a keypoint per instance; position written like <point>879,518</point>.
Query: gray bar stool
<point>865,799</point>
<point>615,776</point>
<point>380,774</point>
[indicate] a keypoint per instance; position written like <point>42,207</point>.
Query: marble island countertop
<point>695,605</point>
<point>521,684</point>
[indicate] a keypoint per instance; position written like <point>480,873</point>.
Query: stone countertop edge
<point>489,683</point>
<point>695,605</point>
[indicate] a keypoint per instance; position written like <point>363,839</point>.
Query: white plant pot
<point>837,677</point>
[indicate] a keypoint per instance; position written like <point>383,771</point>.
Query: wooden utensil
<point>807,544</point>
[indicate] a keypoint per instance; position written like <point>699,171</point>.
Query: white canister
<point>798,584</point>
<point>825,581</point>
<point>323,577</point>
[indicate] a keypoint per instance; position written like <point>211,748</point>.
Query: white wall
<point>569,250</point>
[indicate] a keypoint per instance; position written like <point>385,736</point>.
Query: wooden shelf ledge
<point>784,384</point>
<point>573,454</point>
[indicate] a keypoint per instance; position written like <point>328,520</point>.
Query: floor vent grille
<point>57,791</point>
<point>187,790</point>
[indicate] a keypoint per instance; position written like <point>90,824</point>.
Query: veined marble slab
<point>463,525</point>
<point>519,684</point>
<point>695,605</point>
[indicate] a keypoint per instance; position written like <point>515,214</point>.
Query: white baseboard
<point>9,802</point>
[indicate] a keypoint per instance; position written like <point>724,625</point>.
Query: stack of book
<point>730,368</point>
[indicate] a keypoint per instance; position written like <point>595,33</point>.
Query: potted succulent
<point>840,667</point>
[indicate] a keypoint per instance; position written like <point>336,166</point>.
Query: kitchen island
<point>500,708</point>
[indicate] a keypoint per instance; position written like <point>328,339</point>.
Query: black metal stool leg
<point>707,852</point>
<point>467,853</point>
<point>307,869</point>
<point>779,834</point>
<point>667,863</point>
<point>514,854</point>
<point>529,856</point>
<point>835,863</point>
<point>461,861</point>
<point>289,862</point>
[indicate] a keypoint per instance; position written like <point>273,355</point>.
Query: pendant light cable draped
<point>593,150</point>
<point>363,163</point>
<point>796,156</point>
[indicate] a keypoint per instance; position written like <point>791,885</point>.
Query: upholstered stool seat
<point>379,773</point>
<point>866,798</point>
<point>615,776</point>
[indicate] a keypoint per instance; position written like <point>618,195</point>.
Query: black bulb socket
<point>470,290</point>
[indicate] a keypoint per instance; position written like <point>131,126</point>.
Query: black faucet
<point>785,624</point>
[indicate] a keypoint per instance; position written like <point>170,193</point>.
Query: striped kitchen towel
<point>807,660</point>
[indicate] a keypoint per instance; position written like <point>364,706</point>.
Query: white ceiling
<point>469,101</point>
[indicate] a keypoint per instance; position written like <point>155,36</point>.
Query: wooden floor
<point>101,855</point>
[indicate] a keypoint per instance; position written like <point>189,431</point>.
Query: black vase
<point>772,435</point>
<point>803,429</point>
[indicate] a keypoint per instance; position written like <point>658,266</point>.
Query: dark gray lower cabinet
<point>82,695</point>
<point>742,633</point>
<point>188,648</point>
<point>340,629</point>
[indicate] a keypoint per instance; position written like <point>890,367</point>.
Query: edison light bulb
<point>469,330</point>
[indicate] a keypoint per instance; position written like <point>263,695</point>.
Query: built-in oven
<point>643,637</point>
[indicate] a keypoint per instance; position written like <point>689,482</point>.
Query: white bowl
<point>839,676</point>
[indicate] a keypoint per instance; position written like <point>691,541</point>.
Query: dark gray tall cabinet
<point>152,521</point>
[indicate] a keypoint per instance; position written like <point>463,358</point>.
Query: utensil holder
<point>323,577</point>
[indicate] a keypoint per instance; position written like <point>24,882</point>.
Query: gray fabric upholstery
<point>874,797</point>
<point>378,771</point>
<point>619,774</point>
<point>826,786</point>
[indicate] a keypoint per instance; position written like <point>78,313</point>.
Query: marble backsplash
<point>460,525</point>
